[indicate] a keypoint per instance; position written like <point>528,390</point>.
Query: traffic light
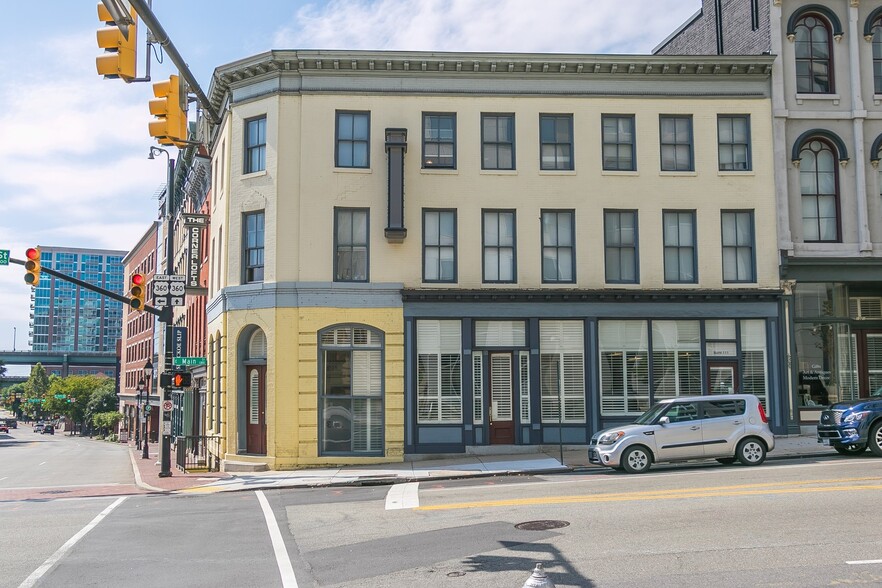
<point>170,126</point>
<point>137,291</point>
<point>32,266</point>
<point>175,379</point>
<point>118,39</point>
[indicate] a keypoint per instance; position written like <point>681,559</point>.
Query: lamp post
<point>165,440</point>
<point>137,423</point>
<point>148,371</point>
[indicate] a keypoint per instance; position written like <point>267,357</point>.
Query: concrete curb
<point>138,481</point>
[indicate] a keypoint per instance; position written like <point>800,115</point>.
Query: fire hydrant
<point>539,579</point>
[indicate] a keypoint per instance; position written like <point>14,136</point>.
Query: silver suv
<point>726,428</point>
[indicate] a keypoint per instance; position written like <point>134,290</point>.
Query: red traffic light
<point>33,254</point>
<point>32,266</point>
<point>138,279</point>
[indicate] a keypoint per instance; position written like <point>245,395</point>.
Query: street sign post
<point>4,256</point>
<point>189,361</point>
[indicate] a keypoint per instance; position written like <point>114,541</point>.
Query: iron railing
<point>191,454</point>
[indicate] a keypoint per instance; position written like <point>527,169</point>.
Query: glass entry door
<point>722,377</point>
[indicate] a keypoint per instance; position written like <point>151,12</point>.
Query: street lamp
<point>148,371</point>
<point>137,424</point>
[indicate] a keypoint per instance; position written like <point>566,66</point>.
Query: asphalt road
<point>799,523</point>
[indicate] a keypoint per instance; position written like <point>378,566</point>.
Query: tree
<point>103,399</point>
<point>36,388</point>
<point>106,422</point>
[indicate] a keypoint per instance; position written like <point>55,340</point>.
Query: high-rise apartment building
<point>66,317</point>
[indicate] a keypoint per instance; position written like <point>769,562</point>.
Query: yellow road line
<point>707,492</point>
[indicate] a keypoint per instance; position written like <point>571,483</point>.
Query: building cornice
<point>577,295</point>
<point>501,66</point>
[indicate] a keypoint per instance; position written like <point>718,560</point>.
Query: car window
<point>682,412</point>
<point>723,408</point>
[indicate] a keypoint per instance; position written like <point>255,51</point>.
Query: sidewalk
<point>575,459</point>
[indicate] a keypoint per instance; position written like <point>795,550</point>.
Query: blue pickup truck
<point>851,427</point>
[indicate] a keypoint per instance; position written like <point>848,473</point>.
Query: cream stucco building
<point>417,253</point>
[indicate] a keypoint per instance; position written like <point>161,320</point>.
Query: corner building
<point>421,253</point>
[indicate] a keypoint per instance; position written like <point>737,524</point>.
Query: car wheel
<point>875,439</point>
<point>636,460</point>
<point>751,452</point>
<point>853,449</point>
<point>726,460</point>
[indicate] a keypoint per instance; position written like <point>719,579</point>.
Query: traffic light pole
<point>165,446</point>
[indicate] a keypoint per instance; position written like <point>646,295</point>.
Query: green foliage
<point>106,421</point>
<point>103,398</point>
<point>36,388</point>
<point>2,369</point>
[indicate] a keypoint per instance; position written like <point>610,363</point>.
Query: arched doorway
<point>254,366</point>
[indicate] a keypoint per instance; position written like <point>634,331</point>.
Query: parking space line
<point>53,559</point>
<point>401,496</point>
<point>864,561</point>
<point>282,559</point>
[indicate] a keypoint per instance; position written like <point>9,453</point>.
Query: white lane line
<point>3,478</point>
<point>44,463</point>
<point>282,559</point>
<point>864,561</point>
<point>53,559</point>
<point>405,495</point>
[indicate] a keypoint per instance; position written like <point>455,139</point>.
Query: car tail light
<point>763,413</point>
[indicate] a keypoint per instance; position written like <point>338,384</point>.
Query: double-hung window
<point>558,247</point>
<point>439,245</point>
<point>739,263</point>
<point>733,142</point>
<point>255,145</point>
<point>253,250</point>
<point>620,246</point>
<point>500,263</point>
<point>556,141</point>
<point>351,244</point>
<point>618,142</point>
<point>439,140</point>
<point>676,143</point>
<point>679,246</point>
<point>497,141</point>
<point>353,139</point>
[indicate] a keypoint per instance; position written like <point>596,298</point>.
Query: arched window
<point>819,185</point>
<point>877,55</point>
<point>814,55</point>
<point>351,386</point>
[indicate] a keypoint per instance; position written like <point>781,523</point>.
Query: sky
<point>73,146</point>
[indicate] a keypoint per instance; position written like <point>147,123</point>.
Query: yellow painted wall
<point>292,380</point>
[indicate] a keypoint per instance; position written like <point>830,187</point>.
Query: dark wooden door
<point>255,410</point>
<point>501,402</point>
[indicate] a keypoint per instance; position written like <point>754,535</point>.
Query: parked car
<point>4,428</point>
<point>851,427</point>
<point>48,430</point>
<point>38,426</point>
<point>12,423</point>
<point>726,428</point>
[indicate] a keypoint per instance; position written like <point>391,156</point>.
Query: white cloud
<point>560,26</point>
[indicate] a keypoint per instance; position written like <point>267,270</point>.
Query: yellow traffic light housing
<point>32,267</point>
<point>170,126</point>
<point>120,46</point>
<point>137,291</point>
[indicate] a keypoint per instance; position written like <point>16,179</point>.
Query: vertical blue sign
<point>179,341</point>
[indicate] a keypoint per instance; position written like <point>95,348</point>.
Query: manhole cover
<point>541,525</point>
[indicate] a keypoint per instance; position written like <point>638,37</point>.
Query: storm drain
<point>541,525</point>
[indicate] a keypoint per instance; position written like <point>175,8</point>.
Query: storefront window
<point>827,365</point>
<point>676,359</point>
<point>821,300</point>
<point>624,367</point>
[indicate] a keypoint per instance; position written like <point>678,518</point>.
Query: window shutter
<point>524,361</point>
<point>573,388</point>
<point>367,373</point>
<point>257,346</point>
<point>478,387</point>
